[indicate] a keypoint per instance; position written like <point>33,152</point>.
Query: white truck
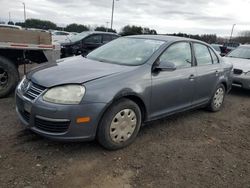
<point>19,47</point>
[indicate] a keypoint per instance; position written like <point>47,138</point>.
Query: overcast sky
<point>166,16</point>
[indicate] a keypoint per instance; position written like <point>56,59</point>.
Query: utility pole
<point>24,12</point>
<point>112,16</point>
<point>9,17</point>
<point>232,32</point>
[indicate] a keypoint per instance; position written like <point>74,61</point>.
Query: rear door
<point>208,71</point>
<point>173,90</point>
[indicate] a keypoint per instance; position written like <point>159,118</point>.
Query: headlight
<point>19,87</point>
<point>67,94</point>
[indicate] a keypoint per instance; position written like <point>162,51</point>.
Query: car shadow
<point>240,92</point>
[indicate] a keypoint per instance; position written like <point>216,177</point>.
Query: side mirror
<point>166,66</point>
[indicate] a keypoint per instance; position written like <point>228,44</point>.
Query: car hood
<point>74,70</point>
<point>239,63</point>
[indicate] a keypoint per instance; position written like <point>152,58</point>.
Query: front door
<point>173,90</point>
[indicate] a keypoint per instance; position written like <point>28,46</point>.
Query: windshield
<point>77,37</point>
<point>240,52</point>
<point>126,51</point>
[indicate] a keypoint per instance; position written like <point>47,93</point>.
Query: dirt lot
<point>193,149</point>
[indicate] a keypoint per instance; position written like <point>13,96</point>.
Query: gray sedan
<point>109,94</point>
<point>240,58</point>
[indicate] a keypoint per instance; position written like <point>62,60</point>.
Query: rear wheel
<point>119,125</point>
<point>218,99</point>
<point>9,77</point>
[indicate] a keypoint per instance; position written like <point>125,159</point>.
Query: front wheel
<point>218,99</point>
<point>119,125</point>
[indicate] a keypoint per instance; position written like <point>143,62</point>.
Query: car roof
<point>165,38</point>
<point>101,32</point>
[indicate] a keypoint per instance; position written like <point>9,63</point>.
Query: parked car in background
<point>60,36</point>
<point>10,26</point>
<point>85,42</point>
<point>240,58</point>
<point>228,47</point>
<point>39,30</point>
<point>117,87</point>
<point>219,49</point>
<point>231,45</point>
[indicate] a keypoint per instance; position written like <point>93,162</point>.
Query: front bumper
<point>58,122</point>
<point>241,81</point>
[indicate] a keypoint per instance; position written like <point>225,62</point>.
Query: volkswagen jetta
<point>109,94</point>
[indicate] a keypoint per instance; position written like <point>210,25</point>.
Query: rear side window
<point>106,38</point>
<point>214,56</point>
<point>94,39</point>
<point>115,37</point>
<point>202,54</point>
<point>179,54</point>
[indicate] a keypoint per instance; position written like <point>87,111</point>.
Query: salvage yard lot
<point>192,149</point>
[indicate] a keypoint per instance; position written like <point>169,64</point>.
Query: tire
<point>118,129</point>
<point>9,77</point>
<point>218,98</point>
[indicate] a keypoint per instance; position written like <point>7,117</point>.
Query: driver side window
<point>178,54</point>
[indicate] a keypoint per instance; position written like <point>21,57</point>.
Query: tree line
<point>46,25</point>
<point>243,37</point>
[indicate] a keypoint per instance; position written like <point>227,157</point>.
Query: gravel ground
<point>192,149</point>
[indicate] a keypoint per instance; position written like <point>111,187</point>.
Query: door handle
<point>191,77</point>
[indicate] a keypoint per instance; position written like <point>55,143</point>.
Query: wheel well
<point>225,85</point>
<point>138,101</point>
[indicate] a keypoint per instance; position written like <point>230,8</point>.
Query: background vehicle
<point>20,47</point>
<point>240,58</point>
<point>228,47</point>
<point>10,26</point>
<point>222,50</point>
<point>35,29</point>
<point>85,42</point>
<point>231,45</point>
<point>118,86</point>
<point>61,36</point>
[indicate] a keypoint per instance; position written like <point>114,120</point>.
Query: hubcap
<point>123,125</point>
<point>3,78</point>
<point>218,97</point>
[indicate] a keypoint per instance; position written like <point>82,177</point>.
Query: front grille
<point>238,71</point>
<point>25,115</point>
<point>52,126</point>
<point>34,91</point>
